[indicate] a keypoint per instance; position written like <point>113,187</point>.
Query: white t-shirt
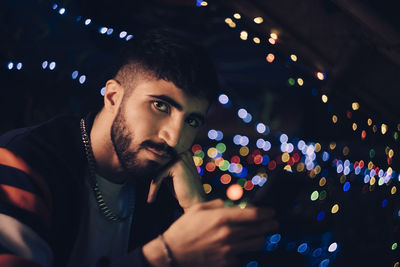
<point>98,236</point>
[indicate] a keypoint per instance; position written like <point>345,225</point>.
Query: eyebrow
<point>178,106</point>
<point>169,100</point>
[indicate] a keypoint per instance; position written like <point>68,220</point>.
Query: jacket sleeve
<point>25,208</point>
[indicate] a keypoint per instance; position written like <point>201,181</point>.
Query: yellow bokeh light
<point>198,161</point>
<point>228,20</point>
<point>294,58</point>
<point>243,35</point>
<point>369,122</point>
<point>232,24</point>
<point>355,106</point>
<point>204,3</point>
<point>322,181</point>
<point>332,145</point>
<point>346,151</point>
<point>334,119</point>
<point>384,128</point>
<point>288,168</point>
<point>394,190</point>
<point>354,126</point>
<point>237,16</point>
<point>324,98</point>
<point>370,165</point>
<point>274,36</point>
<point>391,153</point>
<point>335,209</point>
<point>212,152</point>
<point>317,169</point>
<point>372,181</point>
<point>300,167</point>
<point>207,188</point>
<point>312,174</point>
<point>256,40</point>
<point>389,170</point>
<point>244,151</point>
<point>285,157</point>
<point>258,20</point>
<point>300,81</point>
<point>317,147</point>
<point>397,264</point>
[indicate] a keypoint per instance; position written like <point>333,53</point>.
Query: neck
<point>107,162</point>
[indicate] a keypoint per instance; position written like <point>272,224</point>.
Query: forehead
<point>150,88</point>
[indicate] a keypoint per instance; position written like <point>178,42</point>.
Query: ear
<point>113,96</point>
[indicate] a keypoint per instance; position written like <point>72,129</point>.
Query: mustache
<point>161,147</point>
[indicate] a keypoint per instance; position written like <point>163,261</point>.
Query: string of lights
<point>295,156</point>
<point>273,39</point>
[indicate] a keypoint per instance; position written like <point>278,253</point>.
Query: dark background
<point>355,43</point>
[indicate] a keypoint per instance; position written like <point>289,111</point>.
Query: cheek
<point>142,123</point>
<point>187,140</point>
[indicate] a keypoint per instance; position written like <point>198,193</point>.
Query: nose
<point>171,132</point>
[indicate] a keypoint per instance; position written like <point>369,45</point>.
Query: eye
<point>193,122</point>
<point>161,106</point>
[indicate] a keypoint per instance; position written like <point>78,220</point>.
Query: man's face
<point>156,123</point>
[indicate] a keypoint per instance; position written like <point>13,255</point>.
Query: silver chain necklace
<point>105,210</point>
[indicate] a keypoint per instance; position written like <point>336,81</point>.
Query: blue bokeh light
<point>346,186</point>
<point>75,74</point>
<point>324,263</point>
<point>321,216</point>
<point>302,248</point>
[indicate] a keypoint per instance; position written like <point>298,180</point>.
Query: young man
<point>110,189</point>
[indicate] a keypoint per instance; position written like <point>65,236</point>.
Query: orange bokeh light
<point>234,192</point>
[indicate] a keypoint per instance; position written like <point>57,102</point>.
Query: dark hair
<point>162,54</point>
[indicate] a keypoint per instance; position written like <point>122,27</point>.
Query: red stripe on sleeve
<point>8,158</point>
<point>9,260</point>
<point>25,200</point>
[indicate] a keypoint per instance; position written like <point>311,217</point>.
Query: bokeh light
<point>234,192</point>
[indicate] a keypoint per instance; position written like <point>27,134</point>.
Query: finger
<point>212,204</point>
<point>155,186</point>
<point>237,215</point>
<point>187,158</point>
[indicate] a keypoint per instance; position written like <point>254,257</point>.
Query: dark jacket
<point>47,163</point>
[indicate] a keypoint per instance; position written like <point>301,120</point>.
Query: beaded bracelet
<point>168,253</point>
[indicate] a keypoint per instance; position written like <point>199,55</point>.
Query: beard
<point>122,140</point>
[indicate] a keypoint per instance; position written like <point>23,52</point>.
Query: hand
<point>186,181</point>
<point>210,235</point>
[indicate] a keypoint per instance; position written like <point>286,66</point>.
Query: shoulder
<point>47,147</point>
